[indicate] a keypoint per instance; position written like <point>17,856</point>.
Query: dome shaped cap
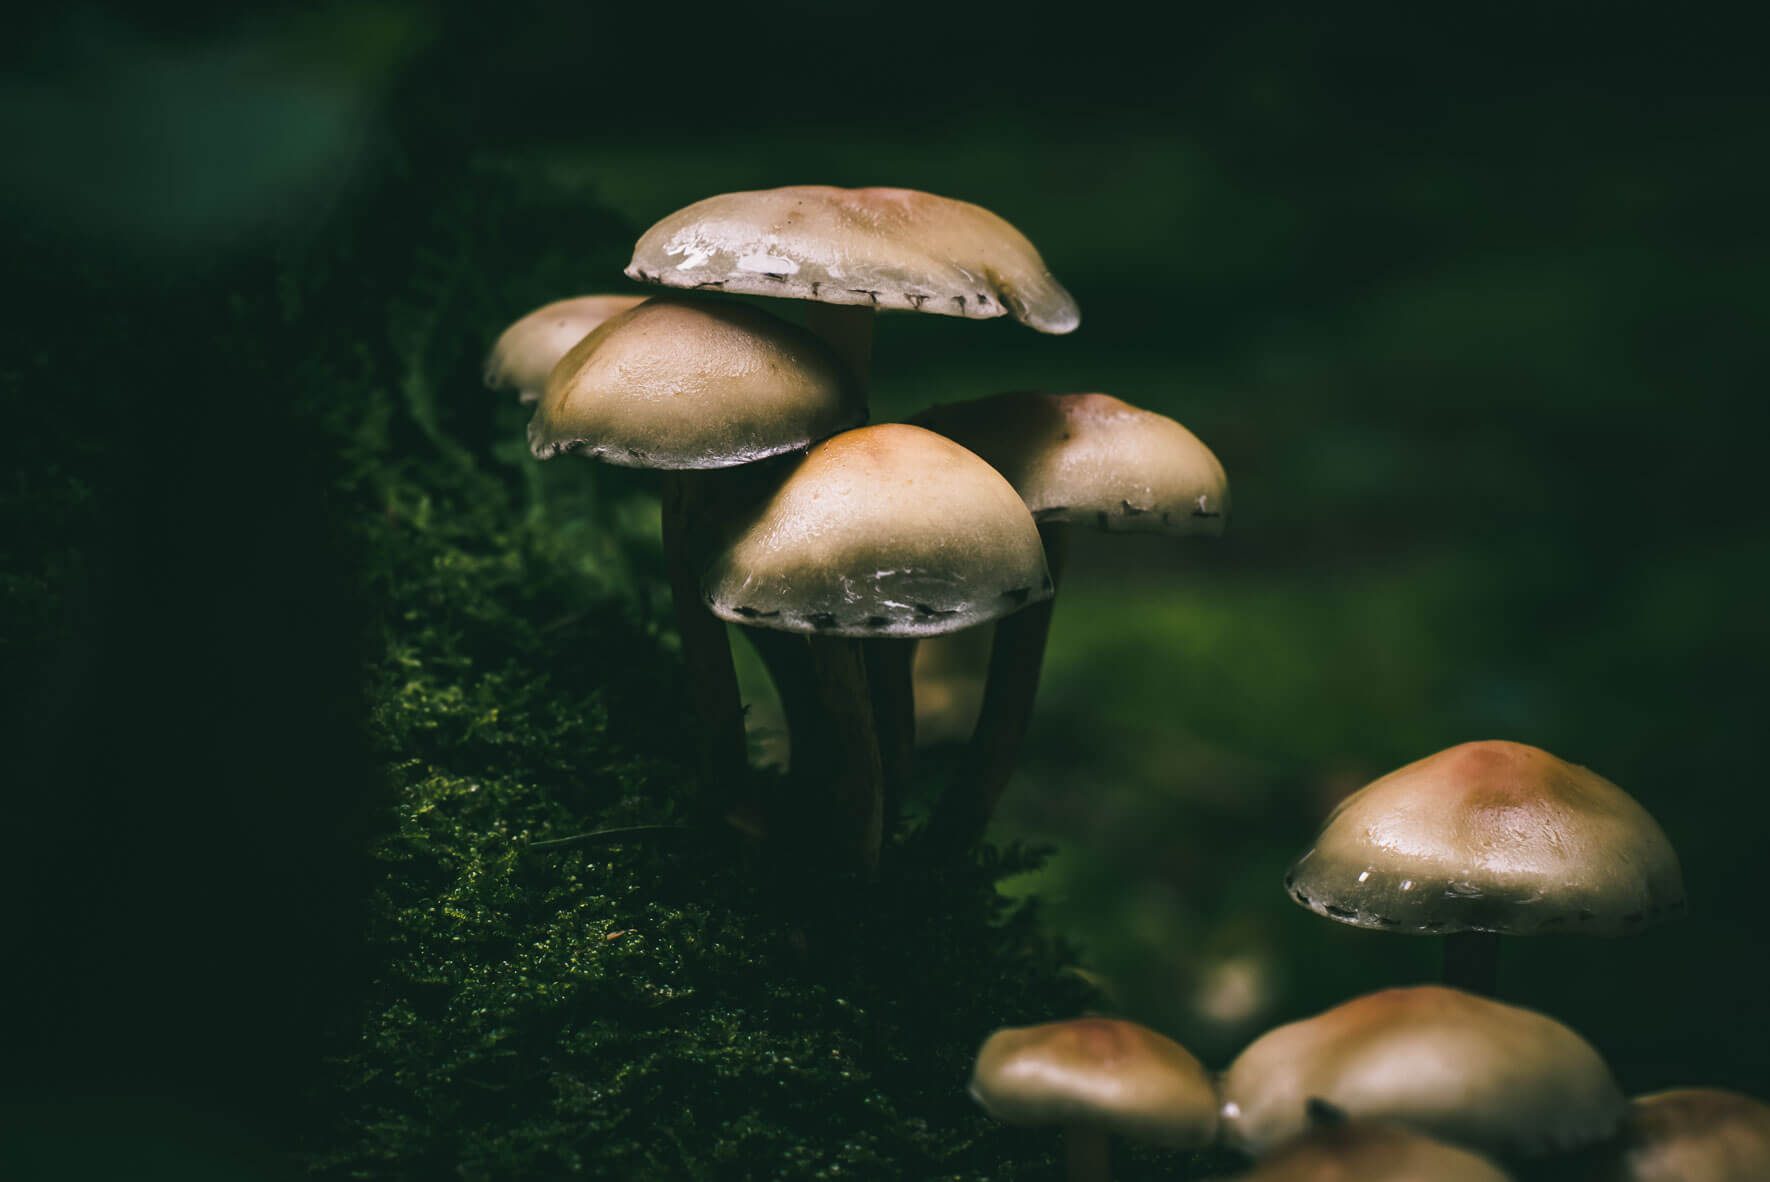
<point>1093,459</point>
<point>679,384</point>
<point>527,351</point>
<point>1495,837</point>
<point>1692,1135</point>
<point>882,248</point>
<point>1101,1072</point>
<point>885,531</point>
<point>1363,1151</point>
<point>1496,1078</point>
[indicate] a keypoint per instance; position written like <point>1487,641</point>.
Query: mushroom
<point>1691,1135</point>
<point>684,387</point>
<point>1366,1151</point>
<point>526,352</point>
<point>1489,838</point>
<point>887,531</point>
<point>1087,460</point>
<point>1097,1077</point>
<point>1500,1079</point>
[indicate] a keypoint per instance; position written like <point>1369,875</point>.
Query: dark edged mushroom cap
<point>1490,836</point>
<point>526,352</point>
<point>880,248</point>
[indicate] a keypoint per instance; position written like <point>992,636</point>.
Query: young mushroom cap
<point>674,383</point>
<point>1099,1072</point>
<point>1692,1135</point>
<point>1364,1151</point>
<point>1093,459</point>
<point>885,531</point>
<point>881,248</point>
<point>1496,1078</point>
<point>527,351</point>
<point>1491,836</point>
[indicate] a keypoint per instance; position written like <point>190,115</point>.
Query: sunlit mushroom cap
<point>1692,1135</point>
<point>1093,459</point>
<point>1100,1072</point>
<point>1496,1078</point>
<point>1491,836</point>
<point>885,531</point>
<point>527,351</point>
<point>1363,1151</point>
<point>675,383</point>
<point>882,248</point>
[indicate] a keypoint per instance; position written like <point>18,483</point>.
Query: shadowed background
<point>1471,309</point>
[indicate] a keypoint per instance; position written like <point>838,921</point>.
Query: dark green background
<point>1470,305</point>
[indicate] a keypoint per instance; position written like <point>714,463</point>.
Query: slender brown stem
<point>847,329</point>
<point>1087,1152</point>
<point>853,784</point>
<point>1016,659</point>
<point>889,665</point>
<point>788,660</point>
<point>718,722</point>
<point>1472,962</point>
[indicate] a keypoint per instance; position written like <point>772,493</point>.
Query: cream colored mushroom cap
<point>1093,459</point>
<point>1693,1135</point>
<point>1490,836</point>
<point>527,351</point>
<point>1363,1151</point>
<point>1101,1072</point>
<point>881,248</point>
<point>885,531</point>
<point>675,383</point>
<point>1496,1078</point>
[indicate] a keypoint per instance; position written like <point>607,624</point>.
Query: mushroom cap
<point>882,248</point>
<point>675,383</point>
<point>1692,1135</point>
<point>1364,1151</point>
<point>886,531</point>
<point>1093,459</point>
<point>527,351</point>
<point>1497,1078</point>
<point>1492,837</point>
<point>1101,1072</point>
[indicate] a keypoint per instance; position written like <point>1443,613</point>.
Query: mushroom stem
<point>889,663</point>
<point>718,721</point>
<point>1087,1152</point>
<point>1015,661</point>
<point>848,329</point>
<point>853,788</point>
<point>788,662</point>
<point>1472,962</point>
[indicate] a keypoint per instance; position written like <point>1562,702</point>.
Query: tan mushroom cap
<point>527,351</point>
<point>1496,1078</point>
<point>1363,1151</point>
<point>1093,459</point>
<point>1491,836</point>
<point>885,531</point>
<point>1692,1135</point>
<point>882,248</point>
<point>1099,1072</point>
<point>674,383</point>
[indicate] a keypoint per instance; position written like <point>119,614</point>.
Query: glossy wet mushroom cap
<point>1491,836</point>
<point>526,352</point>
<point>879,248</point>
<point>1099,1072</point>
<point>677,383</point>
<point>1692,1135</point>
<point>1496,1078</point>
<point>884,531</point>
<point>1092,459</point>
<point>1364,1151</point>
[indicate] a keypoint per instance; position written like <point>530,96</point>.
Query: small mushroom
<point>1097,1077</point>
<point>1366,1151</point>
<point>1691,1135</point>
<point>1077,460</point>
<point>527,351</point>
<point>1499,1079</point>
<point>1484,839</point>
